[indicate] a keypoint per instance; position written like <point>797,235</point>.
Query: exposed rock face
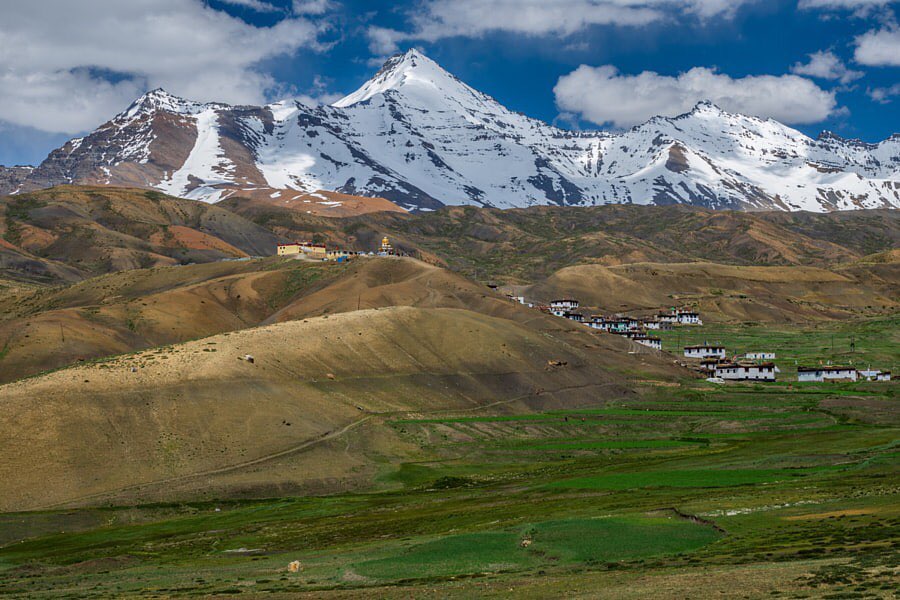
<point>13,178</point>
<point>419,137</point>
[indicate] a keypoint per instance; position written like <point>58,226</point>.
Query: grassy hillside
<point>71,232</point>
<point>404,431</point>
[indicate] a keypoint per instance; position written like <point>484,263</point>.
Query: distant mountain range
<point>419,137</point>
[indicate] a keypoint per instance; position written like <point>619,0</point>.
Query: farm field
<point>792,492</point>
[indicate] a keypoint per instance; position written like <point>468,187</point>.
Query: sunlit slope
<point>42,329</point>
<point>195,420</point>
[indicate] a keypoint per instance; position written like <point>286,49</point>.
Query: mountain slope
<point>69,233</point>
<point>420,138</point>
<point>525,245</point>
<point>194,421</point>
<point>131,310</point>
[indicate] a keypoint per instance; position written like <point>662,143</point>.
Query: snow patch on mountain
<point>206,166</point>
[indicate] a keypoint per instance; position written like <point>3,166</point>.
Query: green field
<point>772,490</point>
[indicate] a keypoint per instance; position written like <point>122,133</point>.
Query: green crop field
<point>772,490</point>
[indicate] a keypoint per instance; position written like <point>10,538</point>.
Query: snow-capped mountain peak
<point>418,136</point>
<point>159,100</point>
<point>409,71</point>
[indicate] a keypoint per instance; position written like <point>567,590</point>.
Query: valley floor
<point>691,491</point>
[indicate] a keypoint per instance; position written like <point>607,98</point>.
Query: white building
<point>688,317</point>
<point>561,308</point>
<point>649,341</point>
<point>827,373</point>
<point>566,304</point>
<point>745,371</point>
<point>875,375</point>
<point>760,356</point>
<point>704,351</point>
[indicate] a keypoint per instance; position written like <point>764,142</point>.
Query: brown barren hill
<point>44,329</point>
<point>95,230</point>
<point>305,415</point>
<point>318,203</point>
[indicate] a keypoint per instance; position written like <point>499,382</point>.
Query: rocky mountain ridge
<point>421,138</point>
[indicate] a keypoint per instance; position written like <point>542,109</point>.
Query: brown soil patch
<point>178,236</point>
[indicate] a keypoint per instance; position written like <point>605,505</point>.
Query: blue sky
<point>815,64</point>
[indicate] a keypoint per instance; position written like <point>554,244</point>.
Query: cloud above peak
<point>604,96</point>
<point>438,19</point>
<point>826,65</point>
<point>67,66</point>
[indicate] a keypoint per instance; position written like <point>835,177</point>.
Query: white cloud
<point>842,4</point>
<point>257,5</point>
<point>383,41</point>
<point>857,8</point>
<point>55,56</point>
<point>438,19</point>
<point>884,95</point>
<point>602,95</point>
<point>826,65</point>
<point>879,47</point>
<point>312,7</point>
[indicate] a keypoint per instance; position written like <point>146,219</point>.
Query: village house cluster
<point>316,251</point>
<point>636,329</point>
<point>710,359</point>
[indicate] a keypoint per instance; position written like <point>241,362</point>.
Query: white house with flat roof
<point>745,371</point>
<point>827,373</point>
<point>704,351</point>
<point>689,317</point>
<point>649,341</point>
<point>875,375</point>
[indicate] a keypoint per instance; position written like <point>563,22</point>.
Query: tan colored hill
<point>67,233</point>
<point>728,292</point>
<point>43,329</point>
<point>194,420</point>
